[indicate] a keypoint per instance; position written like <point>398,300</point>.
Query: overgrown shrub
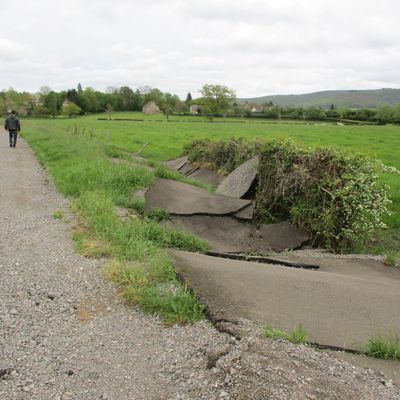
<point>224,154</point>
<point>336,196</point>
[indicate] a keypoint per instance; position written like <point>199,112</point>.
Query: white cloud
<point>256,47</point>
<point>10,50</point>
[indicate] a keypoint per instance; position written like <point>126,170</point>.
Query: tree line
<point>70,102</point>
<point>381,115</point>
<point>215,100</point>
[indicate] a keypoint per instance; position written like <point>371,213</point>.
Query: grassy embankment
<point>166,139</point>
<point>139,265</point>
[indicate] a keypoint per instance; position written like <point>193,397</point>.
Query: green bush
<point>224,154</point>
<point>335,196</point>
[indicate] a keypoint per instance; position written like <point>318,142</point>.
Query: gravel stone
<point>215,353</point>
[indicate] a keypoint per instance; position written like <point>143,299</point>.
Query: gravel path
<point>64,333</point>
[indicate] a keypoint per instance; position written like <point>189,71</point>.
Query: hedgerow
<point>336,196</point>
<point>226,155</point>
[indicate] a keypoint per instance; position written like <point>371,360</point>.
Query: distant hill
<point>340,98</point>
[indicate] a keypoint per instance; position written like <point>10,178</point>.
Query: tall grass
<point>139,265</point>
<point>381,347</point>
<point>297,336</point>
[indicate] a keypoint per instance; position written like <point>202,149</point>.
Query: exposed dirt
<point>227,234</point>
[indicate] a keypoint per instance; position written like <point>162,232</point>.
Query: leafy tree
<point>396,114</point>
<point>155,95</point>
<point>79,99</point>
<point>131,101</point>
<point>138,101</point>
<point>45,90</point>
<point>188,98</point>
<point>71,109</point>
<point>13,99</point>
<point>273,112</point>
<point>90,99</point>
<point>3,106</point>
<point>365,114</point>
<point>41,111</point>
<point>127,97</point>
<point>111,89</point>
<point>73,96</point>
<point>333,113</point>
<point>111,98</point>
<point>181,107</point>
<point>51,103</point>
<point>216,99</point>
<point>384,114</point>
<point>168,102</point>
<point>316,114</point>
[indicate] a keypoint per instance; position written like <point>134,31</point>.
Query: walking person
<point>13,126</point>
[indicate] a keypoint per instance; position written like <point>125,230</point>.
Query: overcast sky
<point>257,47</point>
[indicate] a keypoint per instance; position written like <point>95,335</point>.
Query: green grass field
<point>165,139</point>
<point>96,186</point>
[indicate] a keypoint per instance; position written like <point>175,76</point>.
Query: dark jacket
<point>12,123</point>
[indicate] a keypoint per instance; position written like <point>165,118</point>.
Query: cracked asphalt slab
<point>337,306</point>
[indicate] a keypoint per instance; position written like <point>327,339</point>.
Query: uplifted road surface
<point>343,304</point>
<point>64,333</point>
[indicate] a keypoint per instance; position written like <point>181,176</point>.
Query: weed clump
<point>392,258</point>
<point>156,290</point>
<point>297,336</point>
<point>386,348</point>
<point>58,214</point>
<point>159,215</point>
